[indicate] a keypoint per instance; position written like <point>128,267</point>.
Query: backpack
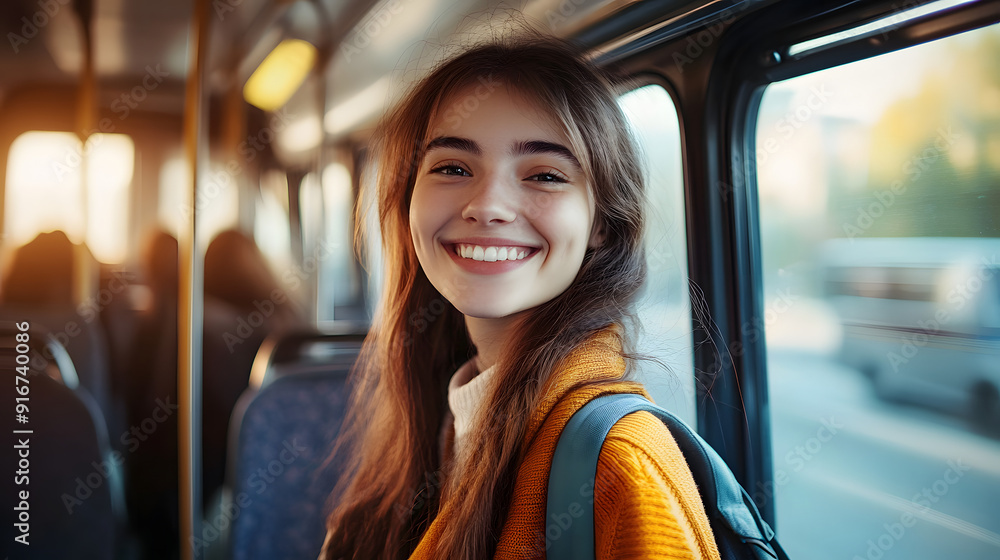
<point>739,531</point>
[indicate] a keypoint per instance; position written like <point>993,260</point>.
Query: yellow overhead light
<point>280,74</point>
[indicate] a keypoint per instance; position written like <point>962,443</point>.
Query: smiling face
<point>501,212</point>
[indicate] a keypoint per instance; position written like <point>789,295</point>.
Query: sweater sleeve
<point>646,504</point>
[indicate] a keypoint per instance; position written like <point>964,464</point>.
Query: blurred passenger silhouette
<point>39,286</point>
<point>244,303</point>
<point>151,459</point>
<point>41,272</point>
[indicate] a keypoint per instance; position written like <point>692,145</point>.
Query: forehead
<point>484,110</point>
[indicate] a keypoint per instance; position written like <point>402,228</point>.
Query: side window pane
<point>217,202</point>
<point>45,190</point>
<point>665,310</point>
<point>879,190</point>
<point>340,290</point>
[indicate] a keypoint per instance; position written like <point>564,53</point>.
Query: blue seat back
<point>73,479</point>
<point>280,484</point>
<point>83,339</point>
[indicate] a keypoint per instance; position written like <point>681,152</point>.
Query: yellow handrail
<point>190,300</point>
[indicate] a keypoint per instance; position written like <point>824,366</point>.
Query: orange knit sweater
<point>646,504</point>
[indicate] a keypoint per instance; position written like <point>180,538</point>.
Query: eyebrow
<point>455,143</point>
<point>527,147</point>
<point>542,147</point>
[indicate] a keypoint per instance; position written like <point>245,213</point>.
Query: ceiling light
<point>280,74</point>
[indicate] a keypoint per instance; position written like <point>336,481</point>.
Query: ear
<point>596,235</point>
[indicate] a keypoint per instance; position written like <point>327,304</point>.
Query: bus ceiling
<point>146,41</point>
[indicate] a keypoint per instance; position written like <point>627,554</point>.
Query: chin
<point>488,310</point>
<point>485,311</point>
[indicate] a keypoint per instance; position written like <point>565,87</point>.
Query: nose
<point>493,201</point>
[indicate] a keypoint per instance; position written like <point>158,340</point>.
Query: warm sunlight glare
<point>45,192</point>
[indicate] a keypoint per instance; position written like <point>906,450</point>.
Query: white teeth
<point>491,254</point>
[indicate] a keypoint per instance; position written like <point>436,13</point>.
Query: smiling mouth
<point>490,253</point>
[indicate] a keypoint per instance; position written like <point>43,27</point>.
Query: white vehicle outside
<point>921,317</point>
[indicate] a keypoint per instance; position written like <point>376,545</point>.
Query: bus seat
<point>84,342</point>
<point>45,354</point>
<point>244,304</point>
<point>38,287</point>
<point>225,376</point>
<point>75,494</point>
<point>283,430</point>
<point>280,484</point>
<point>118,316</point>
<point>301,351</point>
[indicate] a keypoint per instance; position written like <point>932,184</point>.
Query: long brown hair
<point>393,487</point>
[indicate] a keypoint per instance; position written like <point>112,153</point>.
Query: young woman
<point>510,199</point>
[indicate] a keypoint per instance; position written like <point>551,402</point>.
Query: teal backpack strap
<point>569,515</point>
<point>569,518</point>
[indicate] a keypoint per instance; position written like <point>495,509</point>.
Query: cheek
<point>426,217</point>
<point>567,227</point>
<point>417,216</point>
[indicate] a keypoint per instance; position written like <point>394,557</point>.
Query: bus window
<point>665,311</point>
<point>271,229</point>
<point>45,190</point>
<point>175,179</point>
<point>879,192</point>
<point>340,290</point>
<point>217,202</point>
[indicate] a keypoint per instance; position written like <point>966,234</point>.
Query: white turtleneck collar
<point>466,392</point>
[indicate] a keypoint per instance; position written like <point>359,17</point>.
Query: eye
<point>451,169</point>
<point>549,177</point>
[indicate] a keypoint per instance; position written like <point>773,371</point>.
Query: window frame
<point>765,38</point>
<point>635,82</point>
<point>719,96</point>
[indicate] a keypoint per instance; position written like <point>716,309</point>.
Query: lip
<point>483,267</point>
